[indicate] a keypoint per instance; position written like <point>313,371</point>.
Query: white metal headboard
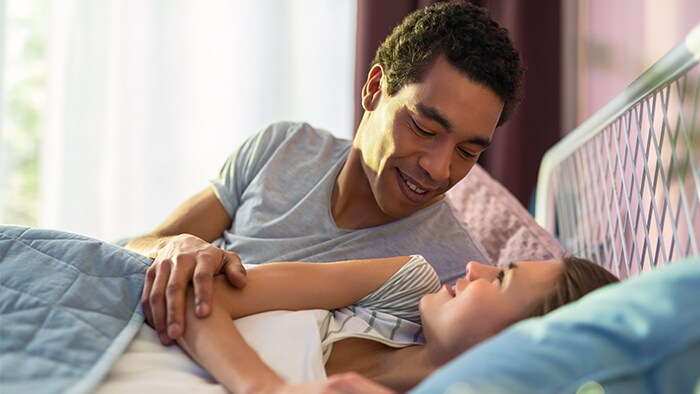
<point>623,188</point>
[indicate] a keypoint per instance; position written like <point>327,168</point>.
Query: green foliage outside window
<point>24,83</point>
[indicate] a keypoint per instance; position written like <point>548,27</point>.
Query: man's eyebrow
<point>512,266</point>
<point>435,115</point>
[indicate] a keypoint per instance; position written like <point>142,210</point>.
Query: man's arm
<point>182,251</point>
<point>217,345</point>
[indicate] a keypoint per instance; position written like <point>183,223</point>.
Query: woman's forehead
<point>526,274</point>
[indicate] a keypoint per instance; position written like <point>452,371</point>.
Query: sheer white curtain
<point>147,98</point>
<point>3,24</point>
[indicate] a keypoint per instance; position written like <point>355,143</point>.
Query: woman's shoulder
<point>400,294</point>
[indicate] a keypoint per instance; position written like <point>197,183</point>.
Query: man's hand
<point>177,260</point>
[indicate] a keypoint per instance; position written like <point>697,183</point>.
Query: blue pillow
<point>638,336</point>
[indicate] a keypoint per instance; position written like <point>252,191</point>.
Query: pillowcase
<point>497,219</point>
<point>637,336</point>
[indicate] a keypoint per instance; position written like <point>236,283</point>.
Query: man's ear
<point>372,89</point>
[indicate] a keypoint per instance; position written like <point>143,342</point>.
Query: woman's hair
<point>580,277</point>
<point>467,37</point>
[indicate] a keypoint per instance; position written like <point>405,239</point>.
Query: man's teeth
<point>414,187</point>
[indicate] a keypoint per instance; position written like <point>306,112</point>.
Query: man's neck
<point>353,205</point>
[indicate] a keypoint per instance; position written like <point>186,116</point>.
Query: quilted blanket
<point>69,306</point>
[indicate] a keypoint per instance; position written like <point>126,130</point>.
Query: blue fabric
<point>638,336</point>
<point>69,306</point>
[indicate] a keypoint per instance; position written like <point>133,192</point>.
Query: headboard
<point>623,188</point>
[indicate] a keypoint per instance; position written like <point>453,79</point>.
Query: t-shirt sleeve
<point>399,296</point>
<point>243,165</point>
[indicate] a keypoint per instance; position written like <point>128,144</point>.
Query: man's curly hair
<point>468,38</point>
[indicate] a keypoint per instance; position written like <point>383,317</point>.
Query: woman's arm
<point>299,286</point>
<point>215,343</point>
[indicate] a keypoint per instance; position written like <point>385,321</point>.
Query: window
<point>23,95</point>
<point>119,110</point>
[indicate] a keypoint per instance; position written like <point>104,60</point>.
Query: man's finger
<point>157,300</point>
<point>146,293</point>
<point>176,295</point>
<point>203,283</point>
<point>234,270</point>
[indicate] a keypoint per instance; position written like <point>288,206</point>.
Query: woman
<point>454,318</point>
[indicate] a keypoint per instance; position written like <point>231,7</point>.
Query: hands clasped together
<point>177,260</point>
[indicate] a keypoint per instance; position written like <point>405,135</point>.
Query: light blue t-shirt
<point>277,187</point>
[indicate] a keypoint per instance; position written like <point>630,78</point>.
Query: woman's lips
<point>450,290</point>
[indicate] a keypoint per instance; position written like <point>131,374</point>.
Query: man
<point>439,86</point>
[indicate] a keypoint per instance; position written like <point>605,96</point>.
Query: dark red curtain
<point>535,28</point>
<point>375,20</point>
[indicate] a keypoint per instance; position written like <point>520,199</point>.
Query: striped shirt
<point>297,344</point>
<point>388,315</point>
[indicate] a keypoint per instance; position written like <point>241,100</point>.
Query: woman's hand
<point>346,383</point>
<point>177,261</point>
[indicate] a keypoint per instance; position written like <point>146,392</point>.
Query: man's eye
<point>420,131</point>
<point>466,154</point>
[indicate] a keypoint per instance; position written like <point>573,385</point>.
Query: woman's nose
<point>477,270</point>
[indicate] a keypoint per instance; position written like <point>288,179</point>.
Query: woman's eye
<point>500,276</point>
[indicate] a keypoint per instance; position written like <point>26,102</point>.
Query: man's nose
<point>436,161</point>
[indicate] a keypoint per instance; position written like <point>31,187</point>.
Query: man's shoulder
<point>289,139</point>
<point>299,132</point>
<point>303,142</point>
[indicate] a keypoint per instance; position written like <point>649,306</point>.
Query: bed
<point>621,189</point>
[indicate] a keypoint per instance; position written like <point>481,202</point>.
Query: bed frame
<point>623,188</point>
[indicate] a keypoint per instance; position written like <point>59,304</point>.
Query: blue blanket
<point>69,306</point>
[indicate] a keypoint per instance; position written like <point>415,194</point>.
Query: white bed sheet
<point>286,341</point>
